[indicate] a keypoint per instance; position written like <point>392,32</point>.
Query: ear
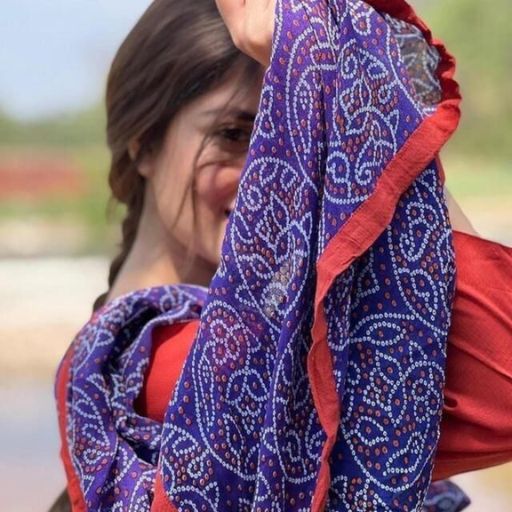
<point>145,164</point>
<point>133,149</point>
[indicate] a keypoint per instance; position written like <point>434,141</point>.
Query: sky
<point>55,54</point>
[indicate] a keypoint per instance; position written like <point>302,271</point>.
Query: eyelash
<point>233,134</point>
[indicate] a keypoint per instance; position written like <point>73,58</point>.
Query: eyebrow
<point>241,115</point>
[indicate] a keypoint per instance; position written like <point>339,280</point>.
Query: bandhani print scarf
<point>315,381</point>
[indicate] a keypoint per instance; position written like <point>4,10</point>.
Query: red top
<point>171,345</point>
<point>476,431</point>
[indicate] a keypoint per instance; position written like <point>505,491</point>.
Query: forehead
<point>234,92</point>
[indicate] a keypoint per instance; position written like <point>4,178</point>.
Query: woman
<point>153,138</point>
<point>179,96</point>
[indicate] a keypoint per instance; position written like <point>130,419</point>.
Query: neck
<point>156,258</point>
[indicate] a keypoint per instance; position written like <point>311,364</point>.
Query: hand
<point>251,25</point>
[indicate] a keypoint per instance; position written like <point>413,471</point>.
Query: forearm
<point>458,219</point>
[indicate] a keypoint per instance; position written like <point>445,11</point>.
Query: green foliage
<point>78,137</point>
<point>70,130</point>
<point>478,35</point>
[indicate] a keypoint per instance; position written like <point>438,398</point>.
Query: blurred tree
<point>478,34</point>
<point>74,129</point>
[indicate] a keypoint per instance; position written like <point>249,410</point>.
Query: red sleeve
<point>73,482</point>
<point>476,430</point>
<point>171,345</point>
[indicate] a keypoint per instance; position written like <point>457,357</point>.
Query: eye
<point>233,138</point>
<point>235,134</point>
<point>232,134</point>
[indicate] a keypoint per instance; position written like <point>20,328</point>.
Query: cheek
<point>216,186</point>
<point>171,184</point>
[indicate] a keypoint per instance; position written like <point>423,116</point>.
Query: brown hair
<point>177,51</point>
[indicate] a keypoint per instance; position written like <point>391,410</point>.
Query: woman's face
<point>202,155</point>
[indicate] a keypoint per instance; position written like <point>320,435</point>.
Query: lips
<point>229,208</point>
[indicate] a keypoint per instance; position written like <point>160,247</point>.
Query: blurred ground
<point>43,302</point>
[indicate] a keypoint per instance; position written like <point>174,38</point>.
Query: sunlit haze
<point>54,54</point>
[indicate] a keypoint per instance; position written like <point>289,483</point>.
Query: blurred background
<point>56,241</point>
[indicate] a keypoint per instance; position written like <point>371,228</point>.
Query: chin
<point>211,261</point>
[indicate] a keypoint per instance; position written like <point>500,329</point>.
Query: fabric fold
<point>372,217</point>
